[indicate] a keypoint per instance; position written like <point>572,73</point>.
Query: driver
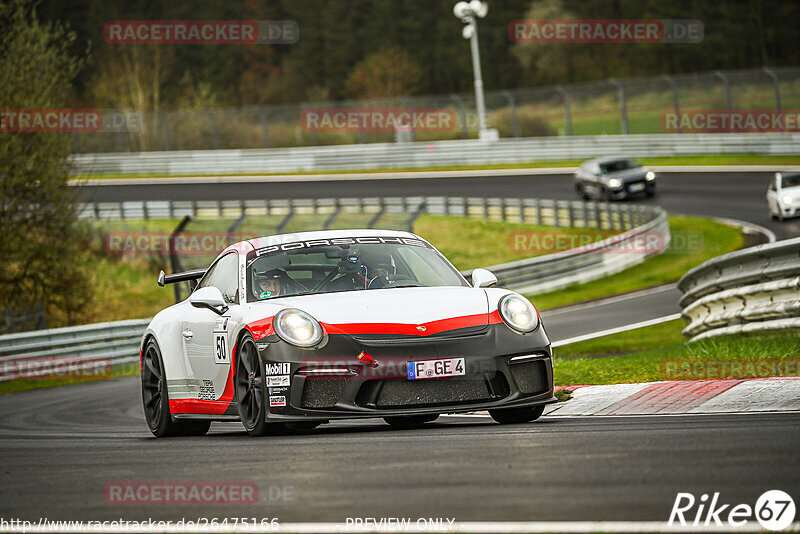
<point>379,268</point>
<point>269,283</point>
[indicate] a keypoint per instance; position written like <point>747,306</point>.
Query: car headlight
<point>650,176</point>
<point>297,327</point>
<point>518,313</point>
<point>787,199</point>
<point>614,183</point>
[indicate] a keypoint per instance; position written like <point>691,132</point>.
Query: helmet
<point>379,265</point>
<point>268,283</point>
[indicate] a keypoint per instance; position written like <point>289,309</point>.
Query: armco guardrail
<point>429,154</point>
<point>66,351</point>
<point>42,352</point>
<point>558,213</point>
<point>750,290</point>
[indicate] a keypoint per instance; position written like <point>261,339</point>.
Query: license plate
<point>635,188</point>
<point>435,368</point>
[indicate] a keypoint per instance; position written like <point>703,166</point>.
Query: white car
<point>783,195</point>
<point>291,331</point>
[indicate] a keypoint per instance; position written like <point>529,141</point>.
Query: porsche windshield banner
<point>341,242</point>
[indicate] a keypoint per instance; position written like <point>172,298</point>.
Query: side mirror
<point>209,297</point>
<point>483,278</point>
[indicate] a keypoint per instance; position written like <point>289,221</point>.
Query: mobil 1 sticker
<point>274,369</point>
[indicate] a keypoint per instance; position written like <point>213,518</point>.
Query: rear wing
<point>188,276</point>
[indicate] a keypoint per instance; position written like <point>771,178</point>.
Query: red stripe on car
<point>430,328</point>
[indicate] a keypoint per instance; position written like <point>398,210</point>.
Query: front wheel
<point>511,416</point>
<point>581,190</point>
<point>155,399</point>
<point>250,388</point>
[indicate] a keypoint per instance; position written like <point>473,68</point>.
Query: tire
<point>581,191</point>
<point>155,399</point>
<point>409,421</point>
<point>250,389</point>
<point>512,416</point>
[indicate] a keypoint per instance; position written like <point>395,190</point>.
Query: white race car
<point>783,195</point>
<point>294,330</point>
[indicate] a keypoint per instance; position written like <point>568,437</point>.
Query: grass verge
<point>47,382</point>
<point>660,352</point>
<point>710,159</point>
<point>470,243</point>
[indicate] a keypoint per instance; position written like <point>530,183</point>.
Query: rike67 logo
<point>774,510</point>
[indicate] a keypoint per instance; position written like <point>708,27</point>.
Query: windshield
<point>791,180</point>
<point>619,165</point>
<point>346,264</point>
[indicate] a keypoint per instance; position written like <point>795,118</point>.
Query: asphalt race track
<point>738,195</point>
<point>62,446</point>
<point>599,315</point>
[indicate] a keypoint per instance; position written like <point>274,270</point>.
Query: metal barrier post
<point>667,78</point>
<point>262,115</point>
<point>462,114</point>
<point>729,101</point>
<point>623,112</point>
<point>174,258</point>
<point>567,110</point>
<point>512,110</point>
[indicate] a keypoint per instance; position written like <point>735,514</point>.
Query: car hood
<point>418,311</point>
<point>794,191</point>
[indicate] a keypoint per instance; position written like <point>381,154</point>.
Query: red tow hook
<point>366,359</point>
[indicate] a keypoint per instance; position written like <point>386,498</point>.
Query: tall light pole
<point>469,12</point>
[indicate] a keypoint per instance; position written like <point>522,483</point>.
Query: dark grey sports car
<point>614,178</point>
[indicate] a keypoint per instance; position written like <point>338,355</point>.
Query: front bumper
<point>503,369</point>
<point>634,189</point>
<point>788,211</point>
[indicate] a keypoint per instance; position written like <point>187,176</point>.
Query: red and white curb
<point>691,396</point>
